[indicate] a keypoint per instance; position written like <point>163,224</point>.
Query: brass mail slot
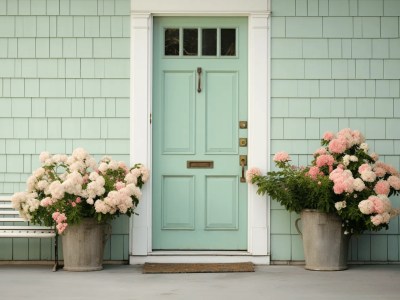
<point>201,164</point>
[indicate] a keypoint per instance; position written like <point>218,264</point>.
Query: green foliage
<point>295,190</point>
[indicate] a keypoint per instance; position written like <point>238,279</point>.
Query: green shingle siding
<point>335,64</point>
<point>64,83</point>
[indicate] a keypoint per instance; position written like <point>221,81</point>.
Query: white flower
<point>358,184</point>
<point>113,165</point>
<point>364,146</point>
<point>340,205</point>
<point>44,156</point>
<point>56,189</point>
<point>368,176</point>
<point>353,158</point>
<point>103,167</point>
<point>93,176</point>
<point>346,160</point>
<point>80,154</point>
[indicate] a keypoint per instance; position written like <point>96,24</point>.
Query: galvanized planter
<point>325,244</point>
<point>83,246</point>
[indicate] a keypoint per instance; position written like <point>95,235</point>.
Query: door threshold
<point>199,257</point>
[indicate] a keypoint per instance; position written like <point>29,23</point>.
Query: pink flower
<point>388,168</point>
<point>73,204</point>
<point>314,172</point>
<point>381,204</point>
<point>358,138</point>
<point>61,227</point>
<point>78,200</point>
<point>320,151</point>
<point>251,173</point>
<point>325,160</point>
<point>374,156</point>
<point>339,187</point>
<point>119,185</point>
<point>281,157</point>
<point>55,215</point>
<point>394,182</point>
<point>379,172</point>
<point>363,168</point>
<point>328,136</point>
<point>337,145</point>
<point>377,220</point>
<point>382,187</point>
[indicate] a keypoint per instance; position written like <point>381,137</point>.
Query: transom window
<point>218,42</point>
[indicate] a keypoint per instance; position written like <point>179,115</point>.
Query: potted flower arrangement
<point>76,194</point>
<point>344,186</point>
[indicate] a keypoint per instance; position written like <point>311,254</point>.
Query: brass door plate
<point>242,142</point>
<point>243,124</point>
<point>243,158</point>
<point>200,164</point>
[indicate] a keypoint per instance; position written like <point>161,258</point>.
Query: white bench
<point>9,216</point>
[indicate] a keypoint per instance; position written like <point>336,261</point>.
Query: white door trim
<point>140,248</point>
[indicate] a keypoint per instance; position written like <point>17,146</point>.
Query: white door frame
<point>257,11</point>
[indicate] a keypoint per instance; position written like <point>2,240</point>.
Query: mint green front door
<point>199,98</point>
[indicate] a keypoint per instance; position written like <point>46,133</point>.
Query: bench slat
<point>28,227</point>
<point>12,220</point>
<point>6,206</point>
<point>9,212</point>
<point>19,234</point>
<point>6,198</point>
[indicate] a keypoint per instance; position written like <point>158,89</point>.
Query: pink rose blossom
<point>281,157</point>
<point>377,220</point>
<point>119,185</point>
<point>314,172</point>
<point>382,187</point>
<point>358,138</point>
<point>328,136</point>
<point>379,172</point>
<point>73,204</point>
<point>78,200</point>
<point>374,156</point>
<point>325,160</point>
<point>320,151</point>
<point>363,168</point>
<point>337,145</point>
<point>61,227</point>
<point>251,173</point>
<point>394,182</point>
<point>55,215</point>
<point>381,203</point>
<point>388,168</point>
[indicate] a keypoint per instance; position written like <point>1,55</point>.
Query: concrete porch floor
<point>120,282</point>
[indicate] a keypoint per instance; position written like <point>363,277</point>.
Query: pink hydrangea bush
<point>347,180</point>
<point>66,189</point>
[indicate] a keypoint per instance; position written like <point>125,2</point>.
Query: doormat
<point>154,268</point>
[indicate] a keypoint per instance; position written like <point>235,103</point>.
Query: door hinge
<point>150,118</point>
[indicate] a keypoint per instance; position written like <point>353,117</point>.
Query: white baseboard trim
<point>199,257</point>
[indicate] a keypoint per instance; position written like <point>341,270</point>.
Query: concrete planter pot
<point>83,246</point>
<point>324,242</point>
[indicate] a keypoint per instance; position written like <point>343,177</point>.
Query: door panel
<point>178,112</point>
<point>222,203</point>
<point>221,100</point>
<point>199,208</point>
<point>178,202</point>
